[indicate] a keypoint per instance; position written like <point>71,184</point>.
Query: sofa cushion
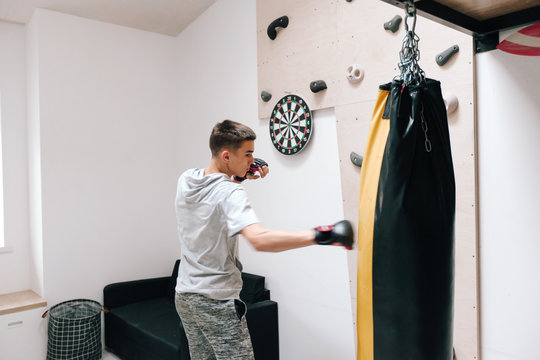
<point>154,323</point>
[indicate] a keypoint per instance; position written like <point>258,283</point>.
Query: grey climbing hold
<point>265,96</point>
<point>446,55</point>
<point>393,25</point>
<point>357,159</point>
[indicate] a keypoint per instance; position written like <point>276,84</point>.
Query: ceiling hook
<point>410,9</point>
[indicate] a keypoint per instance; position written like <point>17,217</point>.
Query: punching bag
<point>406,228</point>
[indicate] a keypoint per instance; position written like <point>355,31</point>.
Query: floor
<point>109,356</point>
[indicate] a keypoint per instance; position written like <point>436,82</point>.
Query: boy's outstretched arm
<point>277,240</point>
<point>280,240</point>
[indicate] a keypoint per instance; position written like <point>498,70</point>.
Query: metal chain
<point>410,71</point>
<point>427,142</point>
<point>409,56</point>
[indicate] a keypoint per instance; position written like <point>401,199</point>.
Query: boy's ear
<point>225,155</point>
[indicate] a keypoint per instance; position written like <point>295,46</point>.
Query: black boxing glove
<point>341,232</point>
<point>252,169</point>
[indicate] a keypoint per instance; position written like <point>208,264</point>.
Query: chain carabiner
<point>410,11</point>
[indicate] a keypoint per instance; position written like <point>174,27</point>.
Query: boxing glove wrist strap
<point>252,169</point>
<point>323,234</point>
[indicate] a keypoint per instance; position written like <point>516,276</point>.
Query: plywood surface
<point>482,9</point>
<point>303,52</point>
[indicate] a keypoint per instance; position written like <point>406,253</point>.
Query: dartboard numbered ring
<point>291,125</point>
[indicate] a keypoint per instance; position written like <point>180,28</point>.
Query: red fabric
<point>533,30</point>
<point>325,228</point>
<point>518,49</point>
<point>513,47</point>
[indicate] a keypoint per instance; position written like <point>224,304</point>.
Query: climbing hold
<point>446,55</point>
<point>354,73</point>
<point>356,159</point>
<point>393,25</point>
<point>450,103</point>
<point>281,22</point>
<point>317,86</point>
<point>265,96</point>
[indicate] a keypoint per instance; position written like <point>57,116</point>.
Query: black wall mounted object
<point>317,85</point>
<point>265,96</point>
<point>393,25</point>
<point>281,22</point>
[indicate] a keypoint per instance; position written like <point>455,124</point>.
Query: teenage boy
<point>212,208</point>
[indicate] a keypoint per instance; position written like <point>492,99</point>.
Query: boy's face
<point>242,158</point>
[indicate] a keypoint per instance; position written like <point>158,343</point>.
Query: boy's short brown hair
<point>229,134</point>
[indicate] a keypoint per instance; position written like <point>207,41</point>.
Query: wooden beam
<point>470,22</point>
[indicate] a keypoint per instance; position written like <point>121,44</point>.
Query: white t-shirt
<point>210,211</point>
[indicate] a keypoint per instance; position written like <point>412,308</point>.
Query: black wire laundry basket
<point>74,330</point>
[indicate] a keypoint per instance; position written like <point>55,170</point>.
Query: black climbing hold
<point>393,25</point>
<point>317,86</point>
<point>446,55</point>
<point>281,22</point>
<point>265,96</point>
<point>356,159</point>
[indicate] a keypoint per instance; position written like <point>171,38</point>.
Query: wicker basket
<point>74,330</point>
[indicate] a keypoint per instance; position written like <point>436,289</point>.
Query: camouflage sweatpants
<point>215,329</point>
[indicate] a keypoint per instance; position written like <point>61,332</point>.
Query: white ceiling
<point>167,17</point>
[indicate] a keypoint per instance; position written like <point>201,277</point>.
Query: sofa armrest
<point>253,288</point>
<point>128,292</point>
<point>262,320</point>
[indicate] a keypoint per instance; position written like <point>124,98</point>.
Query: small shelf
<point>20,301</point>
<point>478,17</point>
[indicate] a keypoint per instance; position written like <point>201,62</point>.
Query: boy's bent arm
<point>277,240</point>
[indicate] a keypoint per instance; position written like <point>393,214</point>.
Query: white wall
<point>509,198</point>
<point>108,127</point>
<point>219,80</point>
<point>311,285</point>
<point>14,265</point>
<point>34,158</point>
<point>217,63</point>
<point>101,151</point>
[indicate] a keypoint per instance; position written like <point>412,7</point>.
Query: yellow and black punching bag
<point>406,228</point>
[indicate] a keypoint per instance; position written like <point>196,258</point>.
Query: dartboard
<point>290,125</point>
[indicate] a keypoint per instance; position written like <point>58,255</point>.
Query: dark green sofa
<point>141,321</point>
